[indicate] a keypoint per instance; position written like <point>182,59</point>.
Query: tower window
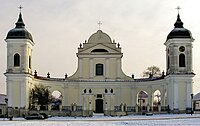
<point>168,62</point>
<point>181,60</point>
<point>29,62</point>
<point>99,69</point>
<point>16,60</point>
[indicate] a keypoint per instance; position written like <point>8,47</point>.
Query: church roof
<point>99,37</point>
<point>19,32</point>
<point>197,96</point>
<point>179,31</point>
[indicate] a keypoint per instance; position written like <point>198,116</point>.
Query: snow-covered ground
<point>100,120</point>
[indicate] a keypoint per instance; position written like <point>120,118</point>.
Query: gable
<point>101,48</point>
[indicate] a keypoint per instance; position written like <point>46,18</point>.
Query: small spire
<point>80,45</point>
<point>35,73</point>
<point>118,45</point>
<point>66,75</point>
<point>178,23</point>
<point>20,23</point>
<point>48,75</point>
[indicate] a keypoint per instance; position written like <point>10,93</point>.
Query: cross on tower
<point>20,8</point>
<point>178,8</point>
<point>99,25</point>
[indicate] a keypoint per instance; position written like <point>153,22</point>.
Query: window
<point>99,50</point>
<point>168,63</point>
<point>99,69</point>
<point>181,60</point>
<point>29,62</point>
<point>16,60</point>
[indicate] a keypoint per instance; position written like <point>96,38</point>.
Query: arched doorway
<point>142,101</point>
<point>99,106</point>
<point>56,100</point>
<point>156,100</point>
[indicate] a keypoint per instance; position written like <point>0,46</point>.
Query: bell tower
<point>19,49</point>
<point>179,68</point>
<point>179,49</point>
<point>19,67</point>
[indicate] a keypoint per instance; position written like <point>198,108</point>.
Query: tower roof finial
<point>178,8</point>
<point>99,25</point>
<point>178,23</point>
<point>20,8</point>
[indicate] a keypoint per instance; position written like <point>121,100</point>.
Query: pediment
<point>101,48</point>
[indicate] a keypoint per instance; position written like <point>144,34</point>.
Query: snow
<point>100,120</point>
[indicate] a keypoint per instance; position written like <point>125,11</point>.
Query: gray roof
<point>19,32</point>
<point>197,96</point>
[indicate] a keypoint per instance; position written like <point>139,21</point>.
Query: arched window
<point>30,62</point>
<point>16,60</point>
<point>99,69</point>
<point>181,60</point>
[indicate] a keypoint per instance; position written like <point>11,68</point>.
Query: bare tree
<point>152,71</point>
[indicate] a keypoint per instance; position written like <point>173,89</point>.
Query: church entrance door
<point>99,106</point>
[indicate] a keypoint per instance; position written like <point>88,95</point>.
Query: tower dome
<point>99,37</point>
<point>19,32</point>
<point>179,31</point>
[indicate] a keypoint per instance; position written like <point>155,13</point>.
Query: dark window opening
<point>168,62</point>
<point>90,91</point>
<point>99,69</point>
<point>99,95</point>
<point>30,62</point>
<point>181,60</point>
<point>99,50</point>
<point>16,60</point>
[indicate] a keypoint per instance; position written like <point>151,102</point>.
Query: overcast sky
<point>59,26</point>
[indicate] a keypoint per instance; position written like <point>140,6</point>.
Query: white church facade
<point>99,84</point>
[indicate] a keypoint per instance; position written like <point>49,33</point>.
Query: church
<point>99,85</point>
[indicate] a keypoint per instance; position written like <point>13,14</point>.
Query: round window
<point>182,49</point>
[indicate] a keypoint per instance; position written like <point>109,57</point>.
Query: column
<point>91,68</point>
<point>26,58</point>
<point>118,97</point>
<point>65,95</point>
<point>150,97</point>
<point>106,102</point>
<point>84,102</point>
<point>188,95</point>
<point>175,95</point>
<point>168,94</point>
<point>118,68</point>
<point>107,68</point>
<point>9,93</point>
<point>133,95</point>
<point>10,58</point>
<point>162,96</point>
<point>80,97</point>
<point>22,93</point>
<point>90,102</point>
<point>111,102</point>
<point>80,67</point>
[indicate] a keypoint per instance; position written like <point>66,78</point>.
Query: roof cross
<point>99,25</point>
<point>20,8</point>
<point>178,8</point>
